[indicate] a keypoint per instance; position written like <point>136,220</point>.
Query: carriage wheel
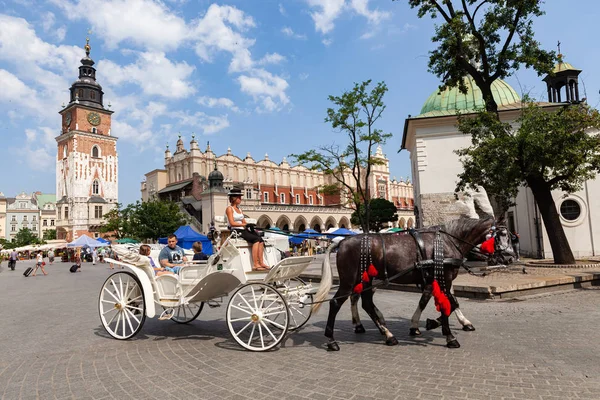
<point>187,313</point>
<point>257,316</point>
<point>298,302</point>
<point>121,305</point>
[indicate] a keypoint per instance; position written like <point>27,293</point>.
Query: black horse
<point>395,256</point>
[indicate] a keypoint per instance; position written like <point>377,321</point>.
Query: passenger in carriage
<point>172,256</point>
<point>145,251</point>
<point>198,254</point>
<point>236,222</point>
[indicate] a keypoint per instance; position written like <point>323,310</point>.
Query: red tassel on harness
<point>365,277</point>
<point>488,246</point>
<point>358,288</point>
<point>442,304</point>
<point>372,271</point>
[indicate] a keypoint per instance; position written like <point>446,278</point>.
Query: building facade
<point>47,205</point>
<point>22,212</point>
<point>87,166</point>
<point>432,137</point>
<point>275,194</point>
<point>2,216</point>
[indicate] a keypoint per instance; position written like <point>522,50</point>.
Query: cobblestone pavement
<point>52,346</point>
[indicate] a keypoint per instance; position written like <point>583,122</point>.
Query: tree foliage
<point>382,211</point>
<point>144,220</point>
<point>348,167</point>
<point>25,237</point>
<point>487,39</point>
<point>50,234</point>
<point>549,149</point>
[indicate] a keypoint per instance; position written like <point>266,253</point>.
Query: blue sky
<point>252,75</point>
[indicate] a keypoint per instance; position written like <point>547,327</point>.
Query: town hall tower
<point>87,165</point>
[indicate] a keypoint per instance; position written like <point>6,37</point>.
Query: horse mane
<point>462,225</point>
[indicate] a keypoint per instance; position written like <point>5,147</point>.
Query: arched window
<point>65,149</point>
<point>92,95</point>
<point>95,152</point>
<point>80,93</point>
<point>96,187</point>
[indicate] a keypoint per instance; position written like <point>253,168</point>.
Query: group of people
<point>172,256</point>
<point>13,257</point>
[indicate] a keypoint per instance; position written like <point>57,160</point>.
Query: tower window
<point>97,212</point>
<point>66,212</point>
<point>94,130</point>
<point>248,193</point>
<point>92,95</point>
<point>80,93</point>
<point>95,152</point>
<point>266,197</point>
<point>297,199</point>
<point>282,198</point>
<point>65,151</point>
<point>96,187</point>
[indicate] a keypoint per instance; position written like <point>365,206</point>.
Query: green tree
<point>118,221</point>
<point>50,234</point>
<point>26,237</point>
<point>153,219</point>
<point>550,149</point>
<point>487,39</point>
<point>348,168</point>
<point>382,211</point>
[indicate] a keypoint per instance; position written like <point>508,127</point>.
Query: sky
<point>250,75</point>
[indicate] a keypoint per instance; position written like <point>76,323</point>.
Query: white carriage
<point>262,307</point>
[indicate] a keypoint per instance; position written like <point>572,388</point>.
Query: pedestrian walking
<point>94,256</point>
<point>514,239</point>
<point>39,263</point>
<point>12,260</point>
<point>51,256</point>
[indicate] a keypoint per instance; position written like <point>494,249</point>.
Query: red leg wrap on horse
<point>442,303</point>
<point>372,271</point>
<point>358,288</point>
<point>365,277</point>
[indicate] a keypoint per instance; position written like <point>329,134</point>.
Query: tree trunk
<point>554,229</point>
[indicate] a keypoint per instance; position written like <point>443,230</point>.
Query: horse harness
<point>438,262</point>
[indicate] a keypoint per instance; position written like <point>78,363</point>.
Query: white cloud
<point>154,73</point>
<point>212,102</point>
<point>39,148</point>
<point>16,91</point>
<point>287,31</point>
<point>199,121</point>
<point>38,159</point>
<point>149,24</point>
<point>282,10</point>
<point>303,76</point>
<point>220,30</point>
<point>48,25</point>
<point>361,7</point>
<point>327,11</point>
<point>271,58</point>
<point>327,41</point>
<point>265,88</point>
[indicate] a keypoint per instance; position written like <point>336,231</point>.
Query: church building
<point>432,137</point>
<point>87,166</point>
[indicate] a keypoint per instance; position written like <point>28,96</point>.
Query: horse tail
<point>326,279</point>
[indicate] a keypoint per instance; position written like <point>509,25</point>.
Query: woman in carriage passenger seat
<point>145,251</point>
<point>236,221</point>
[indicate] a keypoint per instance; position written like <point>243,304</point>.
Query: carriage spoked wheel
<point>299,303</point>
<point>257,316</point>
<point>187,312</point>
<point>121,305</point>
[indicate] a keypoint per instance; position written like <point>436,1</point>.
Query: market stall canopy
<point>126,241</point>
<point>341,232</point>
<point>85,240</point>
<point>104,241</point>
<point>186,236</point>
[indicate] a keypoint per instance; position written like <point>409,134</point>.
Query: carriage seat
<point>221,226</point>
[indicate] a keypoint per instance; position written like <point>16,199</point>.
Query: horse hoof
<point>392,341</point>
<point>414,332</point>
<point>431,324</point>
<point>468,328</point>
<point>453,344</point>
<point>333,346</point>
<point>359,329</point>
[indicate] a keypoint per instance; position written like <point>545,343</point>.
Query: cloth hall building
<point>275,194</point>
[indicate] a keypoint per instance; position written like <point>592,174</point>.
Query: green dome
<point>451,100</point>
